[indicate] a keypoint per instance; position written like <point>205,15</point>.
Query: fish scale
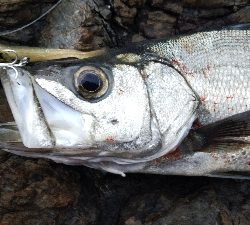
<point>221,97</point>
<point>216,65</point>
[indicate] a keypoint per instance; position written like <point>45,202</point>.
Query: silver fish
<point>177,106</point>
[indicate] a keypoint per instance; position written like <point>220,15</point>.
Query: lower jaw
<point>25,109</point>
<point>69,128</point>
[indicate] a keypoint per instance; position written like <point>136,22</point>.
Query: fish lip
<point>18,88</point>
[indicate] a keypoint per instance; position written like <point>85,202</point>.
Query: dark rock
<point>156,30</point>
<point>241,16</point>
<point>84,31</point>
<point>172,6</point>
<point>137,38</point>
<point>160,16</point>
<point>198,20</point>
<point>14,5</point>
<point>214,3</point>
<point>126,13</point>
<point>212,13</point>
<point>134,3</point>
<point>157,25</point>
<point>5,115</point>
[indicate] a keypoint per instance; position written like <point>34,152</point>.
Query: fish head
<point>122,111</point>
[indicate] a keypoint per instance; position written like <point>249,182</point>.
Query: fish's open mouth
<point>43,121</point>
<point>25,109</point>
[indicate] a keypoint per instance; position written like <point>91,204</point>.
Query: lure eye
<point>91,82</point>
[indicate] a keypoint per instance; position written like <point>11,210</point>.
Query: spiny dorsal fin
<point>227,134</point>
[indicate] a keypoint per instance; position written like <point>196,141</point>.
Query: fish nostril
<point>114,121</point>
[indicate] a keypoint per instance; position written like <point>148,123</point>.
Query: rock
<point>15,13</point>
<point>168,6</point>
<point>36,190</point>
<point>157,25</point>
<point>204,19</point>
<point>5,115</point>
<point>137,38</point>
<point>156,30</point>
<point>13,5</point>
<point>212,13</point>
<point>83,32</point>
<point>241,16</point>
<point>126,13</point>
<point>159,16</point>
<point>106,13</point>
<point>134,3</point>
<point>15,16</point>
<point>195,203</point>
<point>214,3</point>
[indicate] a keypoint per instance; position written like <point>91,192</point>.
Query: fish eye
<point>91,82</point>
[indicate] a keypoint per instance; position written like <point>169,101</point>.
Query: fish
<point>178,106</point>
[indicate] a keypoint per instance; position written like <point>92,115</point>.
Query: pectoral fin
<point>232,133</point>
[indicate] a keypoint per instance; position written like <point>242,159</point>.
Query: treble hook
<point>14,63</point>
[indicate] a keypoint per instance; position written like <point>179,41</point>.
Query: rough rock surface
<point>36,191</point>
<point>5,115</point>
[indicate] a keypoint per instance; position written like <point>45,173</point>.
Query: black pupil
<point>90,82</point>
